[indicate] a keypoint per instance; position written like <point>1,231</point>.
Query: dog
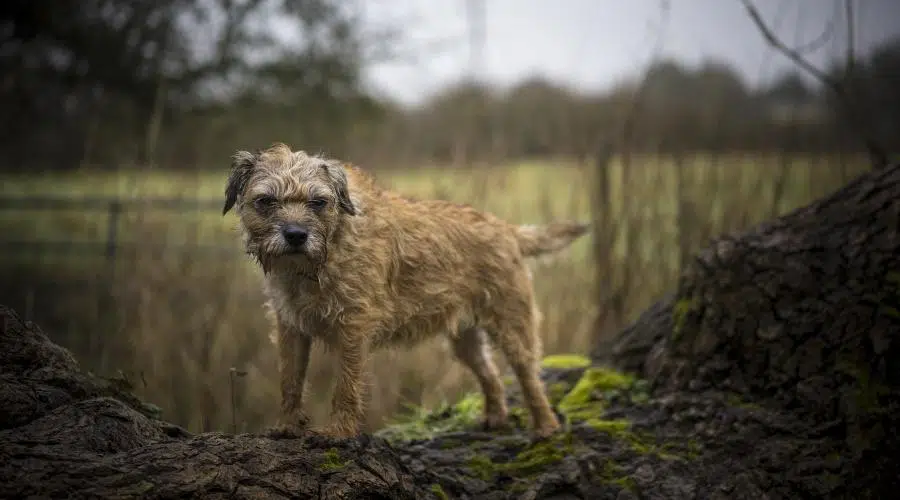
<point>359,268</point>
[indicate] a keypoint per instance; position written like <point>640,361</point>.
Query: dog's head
<point>289,203</point>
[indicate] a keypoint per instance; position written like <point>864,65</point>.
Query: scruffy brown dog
<point>359,268</point>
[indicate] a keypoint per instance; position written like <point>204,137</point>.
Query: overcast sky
<point>592,44</point>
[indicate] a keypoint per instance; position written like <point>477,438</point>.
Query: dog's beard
<point>273,251</point>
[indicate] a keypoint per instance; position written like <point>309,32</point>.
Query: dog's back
<point>453,267</point>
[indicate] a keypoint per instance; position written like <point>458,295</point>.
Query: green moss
<point>595,379</point>
<point>438,491</point>
<point>537,457</point>
<point>556,391</point>
<point>889,311</point>
<point>694,449</point>
<point>520,486</point>
<point>867,392</point>
<point>640,391</point>
<point>621,430</point>
<point>332,461</point>
<point>449,444</point>
<point>565,361</point>
<point>482,467</point>
<point>519,415</point>
<point>832,481</point>
<point>611,427</point>
<point>585,403</point>
<point>674,451</point>
<point>470,406</point>
<point>680,311</point>
<point>625,482</point>
<point>530,461</point>
<point>580,403</point>
<point>152,409</point>
<point>612,474</point>
<point>737,401</point>
<point>868,388</point>
<point>423,423</point>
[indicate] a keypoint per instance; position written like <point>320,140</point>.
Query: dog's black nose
<point>294,235</point>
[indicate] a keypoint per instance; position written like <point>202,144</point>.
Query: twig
<point>630,123</point>
<point>232,373</point>
<point>851,42</point>
<point>878,154</point>
<point>819,41</point>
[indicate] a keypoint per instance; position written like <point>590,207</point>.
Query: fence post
<point>112,232</point>
<point>105,293</point>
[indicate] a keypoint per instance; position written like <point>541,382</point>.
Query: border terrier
<point>360,268</point>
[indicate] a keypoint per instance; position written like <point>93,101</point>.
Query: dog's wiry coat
<point>377,269</point>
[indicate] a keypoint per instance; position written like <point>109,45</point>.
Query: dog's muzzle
<point>295,236</point>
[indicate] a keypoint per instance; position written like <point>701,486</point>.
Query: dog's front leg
<point>347,407</point>
<point>293,360</point>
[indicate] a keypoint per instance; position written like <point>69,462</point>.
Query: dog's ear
<point>242,164</point>
<point>339,180</point>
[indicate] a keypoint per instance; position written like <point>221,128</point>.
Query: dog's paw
<point>496,422</point>
<point>545,431</point>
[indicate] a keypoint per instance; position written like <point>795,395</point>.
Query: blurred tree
<point>789,88</point>
<point>455,124</point>
<point>712,99</point>
<point>75,72</point>
<point>537,118</point>
<point>873,84</point>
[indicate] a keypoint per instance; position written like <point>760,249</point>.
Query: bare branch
<point>851,50</point>
<point>852,114</point>
<point>630,122</point>
<point>795,56</point>
<point>818,42</point>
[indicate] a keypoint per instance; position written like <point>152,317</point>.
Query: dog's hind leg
<point>471,348</point>
<point>516,335</point>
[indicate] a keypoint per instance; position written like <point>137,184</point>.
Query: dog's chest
<point>315,315</point>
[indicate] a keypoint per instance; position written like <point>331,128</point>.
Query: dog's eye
<point>317,203</point>
<point>265,203</point>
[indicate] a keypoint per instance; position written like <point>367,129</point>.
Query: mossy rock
<point>533,459</point>
<point>331,460</point>
<point>583,402</point>
<point>423,423</point>
<point>438,491</point>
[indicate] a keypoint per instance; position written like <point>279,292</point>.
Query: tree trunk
<point>802,313</point>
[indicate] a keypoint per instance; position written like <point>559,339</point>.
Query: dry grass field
<point>187,329</point>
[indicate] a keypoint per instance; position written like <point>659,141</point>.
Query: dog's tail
<point>548,238</point>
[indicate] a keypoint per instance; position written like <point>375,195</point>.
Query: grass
<point>178,321</point>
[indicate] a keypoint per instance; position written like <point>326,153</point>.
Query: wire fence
<point>111,246</point>
<point>115,209</point>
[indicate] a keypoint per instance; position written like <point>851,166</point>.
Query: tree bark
<point>802,313</point>
<point>798,310</point>
<point>66,434</point>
